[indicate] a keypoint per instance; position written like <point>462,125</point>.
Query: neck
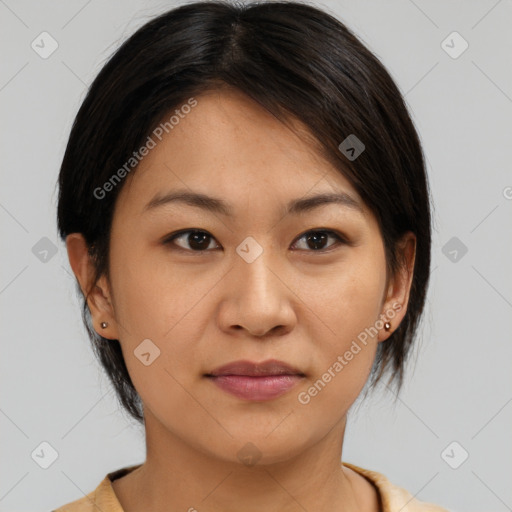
<point>177,476</point>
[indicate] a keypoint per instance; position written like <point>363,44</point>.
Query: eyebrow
<point>215,205</point>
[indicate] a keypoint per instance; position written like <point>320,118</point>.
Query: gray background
<point>459,385</point>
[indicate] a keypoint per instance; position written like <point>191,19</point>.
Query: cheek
<point>152,297</point>
<point>156,302</point>
<point>155,309</point>
<point>350,299</point>
<point>349,304</point>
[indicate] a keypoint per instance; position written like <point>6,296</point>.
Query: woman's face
<point>254,285</point>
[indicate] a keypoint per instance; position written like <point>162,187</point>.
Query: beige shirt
<point>393,498</point>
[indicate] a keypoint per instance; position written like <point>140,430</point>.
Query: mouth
<point>256,381</point>
<point>251,369</point>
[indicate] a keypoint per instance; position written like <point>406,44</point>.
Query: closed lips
<point>256,382</point>
<point>253,369</point>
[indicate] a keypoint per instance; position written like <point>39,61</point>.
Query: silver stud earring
<point>387,326</point>
<point>104,325</point>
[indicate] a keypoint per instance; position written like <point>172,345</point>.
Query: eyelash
<point>340,239</point>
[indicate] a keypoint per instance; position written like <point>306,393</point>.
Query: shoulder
<point>393,497</point>
<point>88,503</point>
<point>103,498</point>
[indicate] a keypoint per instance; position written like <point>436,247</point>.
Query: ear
<point>99,298</point>
<point>395,304</point>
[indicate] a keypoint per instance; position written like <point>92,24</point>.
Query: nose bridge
<point>259,296</point>
<point>254,269</point>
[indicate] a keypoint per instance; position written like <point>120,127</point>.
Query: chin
<point>259,448</point>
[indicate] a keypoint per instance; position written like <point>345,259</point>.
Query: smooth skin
<point>204,306</point>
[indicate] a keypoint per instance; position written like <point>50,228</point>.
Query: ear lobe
<point>97,294</point>
<point>395,305</point>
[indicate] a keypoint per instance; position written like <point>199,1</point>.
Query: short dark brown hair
<point>296,61</point>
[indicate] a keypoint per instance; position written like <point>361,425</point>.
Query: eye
<point>316,239</point>
<point>199,241</point>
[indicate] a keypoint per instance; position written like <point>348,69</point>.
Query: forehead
<point>230,146</point>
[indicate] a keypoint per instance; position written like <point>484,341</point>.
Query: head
<point>252,106</point>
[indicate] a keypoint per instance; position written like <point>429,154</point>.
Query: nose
<point>257,299</point>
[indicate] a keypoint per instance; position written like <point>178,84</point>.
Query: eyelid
<point>340,239</point>
<point>169,239</point>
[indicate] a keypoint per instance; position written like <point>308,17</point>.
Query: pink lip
<point>256,388</point>
<point>252,369</point>
<point>256,381</point>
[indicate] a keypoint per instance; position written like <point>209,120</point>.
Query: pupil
<point>316,237</point>
<point>198,240</point>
